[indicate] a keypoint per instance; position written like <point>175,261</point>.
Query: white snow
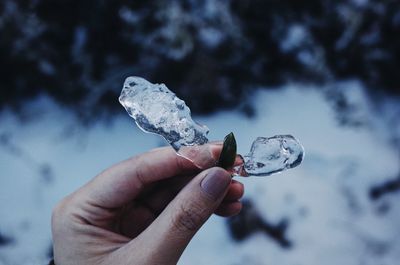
<point>332,219</point>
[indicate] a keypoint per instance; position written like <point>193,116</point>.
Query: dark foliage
<point>5,240</point>
<point>249,221</point>
<point>387,187</point>
<point>79,52</point>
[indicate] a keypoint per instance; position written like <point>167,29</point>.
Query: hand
<point>144,210</point>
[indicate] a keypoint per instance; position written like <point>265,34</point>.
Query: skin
<point>144,210</point>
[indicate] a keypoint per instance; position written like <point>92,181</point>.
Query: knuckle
<point>56,214</point>
<point>188,218</point>
<point>60,211</point>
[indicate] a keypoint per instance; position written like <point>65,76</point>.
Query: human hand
<point>144,210</point>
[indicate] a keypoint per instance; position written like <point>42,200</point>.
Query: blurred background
<point>327,72</point>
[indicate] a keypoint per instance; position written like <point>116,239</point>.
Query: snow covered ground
<point>332,219</point>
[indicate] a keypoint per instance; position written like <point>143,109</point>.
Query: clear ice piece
<point>272,155</point>
<point>156,109</point>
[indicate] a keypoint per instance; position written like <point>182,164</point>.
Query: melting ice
<point>272,155</point>
<point>156,109</point>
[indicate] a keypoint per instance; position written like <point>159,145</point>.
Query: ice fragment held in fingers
<point>156,109</point>
<point>272,155</point>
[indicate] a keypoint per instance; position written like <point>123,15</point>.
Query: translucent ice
<point>272,155</point>
<point>156,109</point>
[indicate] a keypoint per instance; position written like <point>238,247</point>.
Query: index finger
<point>122,182</point>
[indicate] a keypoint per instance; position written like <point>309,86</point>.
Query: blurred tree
<point>208,52</point>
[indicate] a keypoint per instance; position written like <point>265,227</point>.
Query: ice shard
<point>156,109</point>
<point>272,155</point>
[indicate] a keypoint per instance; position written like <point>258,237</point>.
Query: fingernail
<point>216,182</point>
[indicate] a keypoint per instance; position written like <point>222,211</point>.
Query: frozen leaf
<point>228,153</point>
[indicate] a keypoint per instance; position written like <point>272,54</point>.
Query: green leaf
<point>228,153</point>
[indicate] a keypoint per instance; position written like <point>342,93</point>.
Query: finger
<point>238,161</point>
<point>162,193</point>
<point>235,191</point>
<point>191,153</point>
<point>227,209</point>
<point>155,200</point>
<point>123,182</point>
<point>134,219</point>
<point>170,233</point>
<point>160,196</point>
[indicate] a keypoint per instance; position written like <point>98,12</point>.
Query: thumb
<point>171,232</point>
